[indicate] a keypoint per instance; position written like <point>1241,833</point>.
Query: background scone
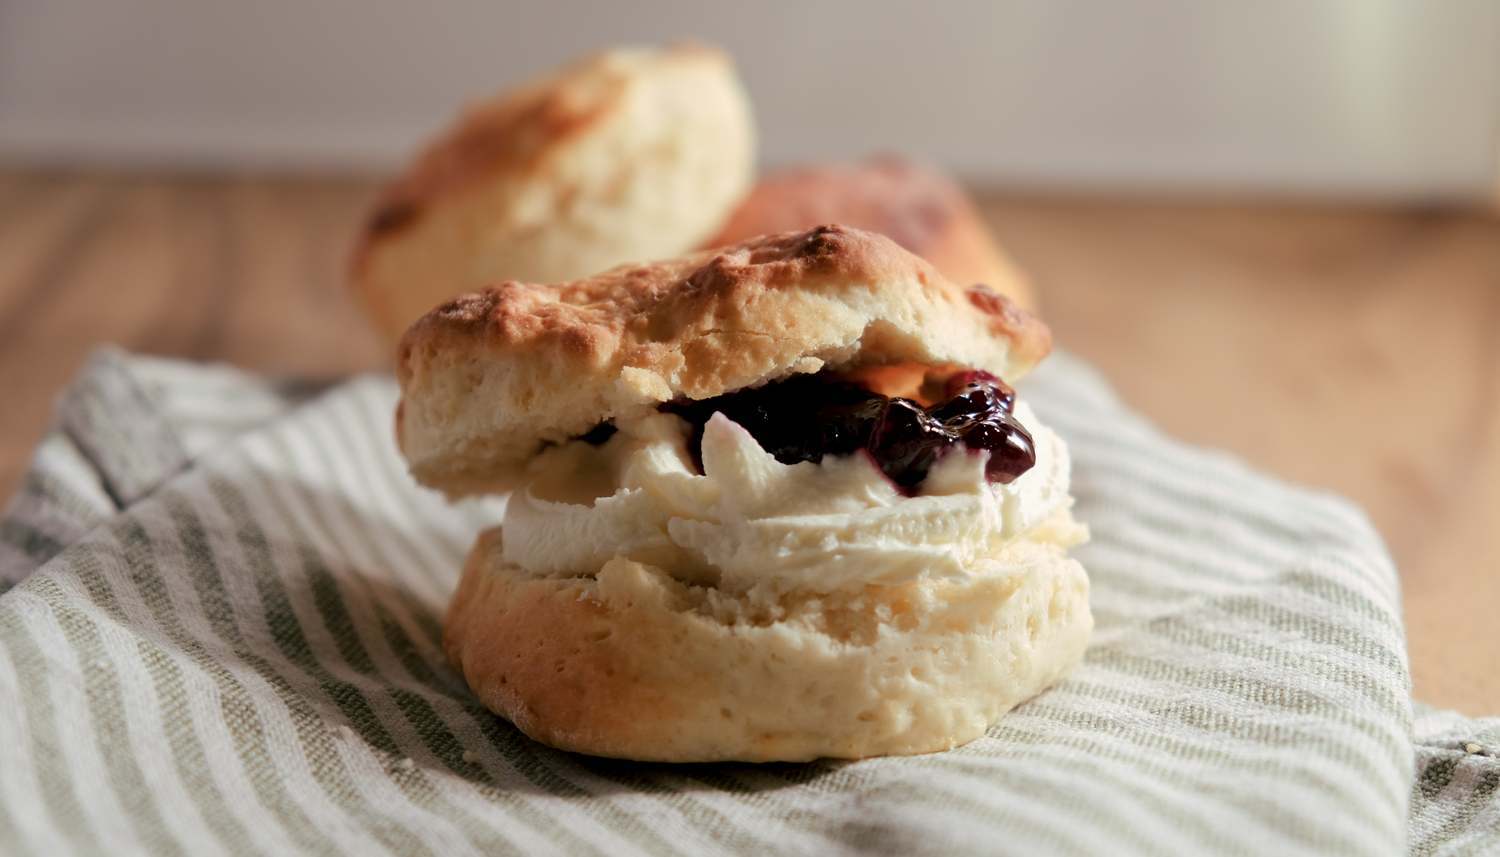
<point>631,154</point>
<point>772,502</point>
<point>919,207</point>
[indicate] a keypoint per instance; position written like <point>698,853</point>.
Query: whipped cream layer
<point>750,520</point>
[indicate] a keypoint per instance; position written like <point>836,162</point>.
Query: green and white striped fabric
<point>219,634</point>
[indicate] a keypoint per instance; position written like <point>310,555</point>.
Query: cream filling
<point>750,520</point>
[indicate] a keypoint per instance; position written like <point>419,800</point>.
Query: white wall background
<point>1366,97</point>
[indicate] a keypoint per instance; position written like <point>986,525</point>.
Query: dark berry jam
<point>805,417</point>
<point>600,433</point>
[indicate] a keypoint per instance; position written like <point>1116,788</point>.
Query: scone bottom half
<point>860,551</point>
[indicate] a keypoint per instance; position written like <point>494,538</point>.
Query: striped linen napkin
<point>219,634</point>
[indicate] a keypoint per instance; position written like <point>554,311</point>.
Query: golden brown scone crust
<point>489,377</point>
<point>918,207</point>
<point>633,664</point>
<point>627,155</point>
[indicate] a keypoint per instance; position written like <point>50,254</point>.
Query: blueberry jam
<point>806,417</point>
<point>600,433</point>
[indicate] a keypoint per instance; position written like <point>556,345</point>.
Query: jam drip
<point>805,417</point>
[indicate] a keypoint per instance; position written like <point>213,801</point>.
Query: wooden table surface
<point>1352,348</point>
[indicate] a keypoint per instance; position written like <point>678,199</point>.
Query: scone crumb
<point>405,765</point>
<point>470,757</point>
<point>1473,749</point>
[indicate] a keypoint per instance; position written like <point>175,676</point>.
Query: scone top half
<point>491,379</point>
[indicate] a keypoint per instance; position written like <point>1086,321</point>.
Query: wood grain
<point>1355,349</point>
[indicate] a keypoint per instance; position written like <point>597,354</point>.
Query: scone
<point>628,155</point>
<point>769,502</point>
<point>920,208</point>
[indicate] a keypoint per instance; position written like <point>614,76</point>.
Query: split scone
<point>629,154</point>
<point>771,502</point>
<point>917,206</point>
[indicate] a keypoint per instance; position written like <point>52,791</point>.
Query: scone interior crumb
<point>845,616</point>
